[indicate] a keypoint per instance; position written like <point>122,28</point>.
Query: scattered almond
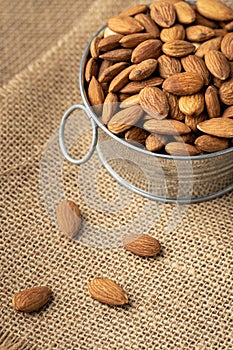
<point>142,245</point>
<point>32,299</point>
<point>107,291</point>
<point>69,218</point>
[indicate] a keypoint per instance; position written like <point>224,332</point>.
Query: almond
<point>32,299</point>
<point>123,97</point>
<point>143,70</point>
<point>209,144</point>
<point>118,55</point>
<point>212,102</point>
<point>136,134</point>
<point>134,10</point>
<point>184,12</point>
<point>181,149</point>
<point>108,32</point>
<point>229,26</point>
<point>125,25</point>
<point>91,70</point>
<point>166,127</point>
<point>142,245</point>
<point>130,101</point>
<point>110,43</point>
<point>155,142</point>
<point>173,102</point>
<point>148,49</point>
<point>227,46</point>
<point>103,66</point>
<point>192,121</point>
<point>168,66</point>
<point>110,107</point>
<point>121,79</point>
<point>212,44</point>
<point>226,92</point>
<point>182,84</point>
<point>220,32</point>
<point>125,119</point>
<point>228,113</point>
<point>107,291</point>
<point>199,33</point>
<point>133,40</point>
<point>217,64</point>
<point>148,23</point>
<point>188,138</point>
<point>163,13</point>
<point>176,32</point>
<point>69,218</point>
<point>193,104</point>
<point>95,95</point>
<point>154,102</point>
<point>195,64</point>
<point>215,10</point>
<point>203,21</point>
<point>220,127</point>
<point>111,72</point>
<point>178,48</point>
<point>136,86</point>
<point>94,47</point>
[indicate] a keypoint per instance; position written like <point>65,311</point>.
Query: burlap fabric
<point>180,300</point>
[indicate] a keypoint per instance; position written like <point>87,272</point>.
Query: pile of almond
<point>161,77</point>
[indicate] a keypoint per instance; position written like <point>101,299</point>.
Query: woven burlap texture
<point>179,300</point>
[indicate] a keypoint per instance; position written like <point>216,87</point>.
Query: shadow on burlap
<point>180,300</point>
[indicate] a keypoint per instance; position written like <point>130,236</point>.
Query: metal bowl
<point>156,176</point>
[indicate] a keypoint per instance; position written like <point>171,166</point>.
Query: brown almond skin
<point>110,107</point>
<point>229,27</point>
<point>69,218</point>
<point>134,10</point>
<point>118,55</point>
<point>94,47</point>
<point>183,84</point>
<point>212,44</point>
<point>103,66</point>
<point>125,119</point>
<point>220,127</point>
<point>148,23</point>
<point>178,48</point>
<point>136,86</point>
<point>107,291</point>
<point>195,64</point>
<point>96,95</point>
<point>143,70</point>
<point>176,32</point>
<point>148,49</point>
<point>111,72</point>
<point>32,299</point>
<point>199,33</point>
<point>212,102</point>
<point>193,121</point>
<point>124,25</point>
<point>136,134</point>
<point>209,144</point>
<point>155,142</point>
<point>154,102</point>
<point>226,92</point>
<point>203,21</point>
<point>188,138</point>
<point>166,127</point>
<point>217,64</point>
<point>91,70</point>
<point>181,149</point>
<point>130,101</point>
<point>133,40</point>
<point>163,13</point>
<point>110,43</point>
<point>228,113</point>
<point>142,245</point>
<point>193,104</point>
<point>168,66</point>
<point>121,79</point>
<point>227,46</point>
<point>175,112</point>
<point>184,12</point>
<point>214,10</point>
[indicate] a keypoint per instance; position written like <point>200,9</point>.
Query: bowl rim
<point>91,113</point>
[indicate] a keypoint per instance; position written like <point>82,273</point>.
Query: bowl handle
<point>62,136</point>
